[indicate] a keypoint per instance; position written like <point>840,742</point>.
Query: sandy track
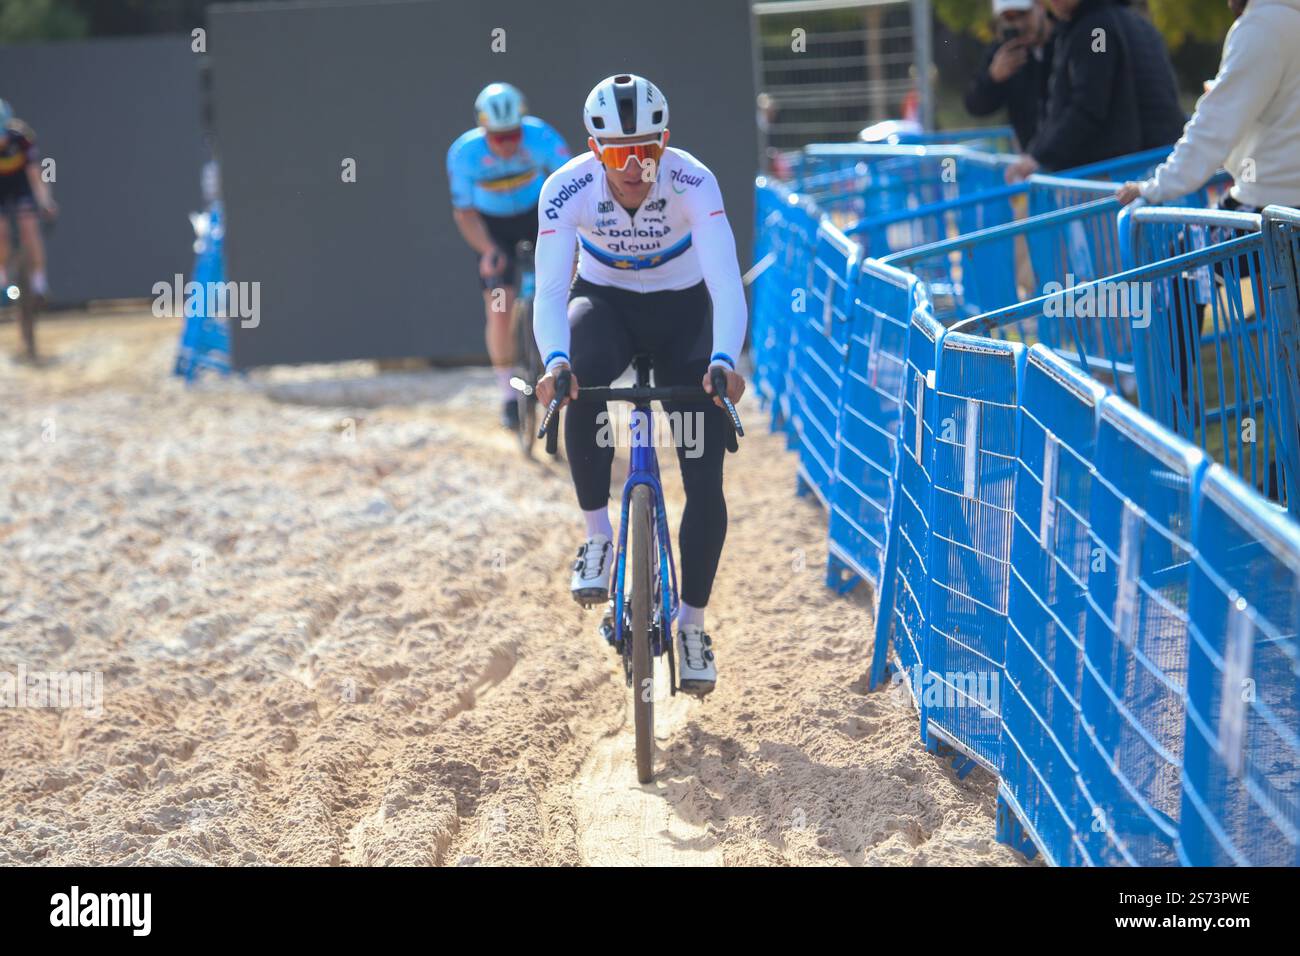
<point>330,616</point>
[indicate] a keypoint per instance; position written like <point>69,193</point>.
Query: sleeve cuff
<point>1150,192</point>
<point>555,358</point>
<point>722,359</point>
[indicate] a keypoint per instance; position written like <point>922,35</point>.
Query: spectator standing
<point>1016,69</point>
<point>1248,121</point>
<point>1112,91</point>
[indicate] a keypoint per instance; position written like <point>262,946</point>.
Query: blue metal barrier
<point>1135,640</point>
<point>205,339</point>
<point>974,479</point>
<point>853,181</point>
<point>1136,331</point>
<point>783,288</point>
<point>1221,387</point>
<point>1241,765</point>
<point>903,607</point>
<point>1051,558</point>
<point>1067,592</point>
<point>866,460</point>
<point>977,273</point>
<point>820,340</point>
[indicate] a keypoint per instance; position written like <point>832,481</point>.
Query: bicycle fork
<point>644,470</point>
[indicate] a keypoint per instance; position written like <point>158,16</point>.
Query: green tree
<point>1182,20</point>
<point>966,16</point>
<point>1179,20</point>
<point>22,21</point>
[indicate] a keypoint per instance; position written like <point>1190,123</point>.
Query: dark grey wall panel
<point>375,268</point>
<point>120,117</point>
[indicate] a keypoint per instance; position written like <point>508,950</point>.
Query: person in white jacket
<point>1248,121</point>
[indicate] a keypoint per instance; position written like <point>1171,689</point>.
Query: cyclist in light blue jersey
<point>496,171</point>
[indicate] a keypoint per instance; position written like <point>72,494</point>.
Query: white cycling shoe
<point>590,581</point>
<point>697,672</point>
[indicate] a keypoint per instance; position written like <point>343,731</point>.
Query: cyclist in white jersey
<point>657,273</point>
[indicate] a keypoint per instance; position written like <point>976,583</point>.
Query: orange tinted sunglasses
<point>615,156</point>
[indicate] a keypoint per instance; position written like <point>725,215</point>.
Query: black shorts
<point>16,192</point>
<point>507,232</point>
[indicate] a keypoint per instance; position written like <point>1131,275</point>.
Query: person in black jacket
<point>1016,68</point>
<point>1160,114</point>
<point>1112,90</point>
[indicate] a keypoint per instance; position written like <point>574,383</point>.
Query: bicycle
<point>642,620</point>
<point>18,290</point>
<point>528,361</point>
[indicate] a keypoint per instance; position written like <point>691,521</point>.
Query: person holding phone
<point>1016,68</point>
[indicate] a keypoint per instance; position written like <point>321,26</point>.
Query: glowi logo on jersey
<point>685,179</point>
<point>567,192</point>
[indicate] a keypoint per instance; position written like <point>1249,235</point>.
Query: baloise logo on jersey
<point>634,241</point>
<point>567,192</point>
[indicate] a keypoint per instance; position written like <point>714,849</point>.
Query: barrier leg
<point>839,576</point>
<point>1011,832</point>
<point>961,764</point>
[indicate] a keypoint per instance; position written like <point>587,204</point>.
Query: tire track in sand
<point>622,822</point>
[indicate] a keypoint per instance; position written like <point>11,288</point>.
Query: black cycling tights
<point>608,327</point>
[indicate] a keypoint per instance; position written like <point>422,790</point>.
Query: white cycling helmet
<point>625,105</point>
<point>500,107</point>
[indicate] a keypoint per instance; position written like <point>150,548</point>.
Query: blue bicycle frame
<point>644,470</point>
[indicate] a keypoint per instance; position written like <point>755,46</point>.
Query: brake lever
<point>550,427</point>
<point>718,379</point>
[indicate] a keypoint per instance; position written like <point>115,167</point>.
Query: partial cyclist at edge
<point>496,171</point>
<point>657,274</point>
<point>23,193</point>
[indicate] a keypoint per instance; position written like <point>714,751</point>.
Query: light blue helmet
<point>500,107</point>
<point>6,114</point>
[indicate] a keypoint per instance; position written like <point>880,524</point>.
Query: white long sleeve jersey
<point>679,236</point>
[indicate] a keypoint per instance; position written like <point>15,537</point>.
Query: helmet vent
<point>657,117</point>
<point>597,122</point>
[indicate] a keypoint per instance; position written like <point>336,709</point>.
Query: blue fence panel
<point>903,607</point>
<point>920,224</point>
<point>1136,638</point>
<point>981,272</point>
<point>1030,534</point>
<point>1210,363</point>
<point>1241,774</point>
<point>821,334</point>
<point>769,325</point>
<point>976,400</point>
<point>781,289</point>
<point>851,182</point>
<point>1051,556</point>
<point>205,339</point>
<point>871,417</point>
<point>1282,242</point>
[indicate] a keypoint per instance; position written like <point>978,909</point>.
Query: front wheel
<point>642,547</point>
<point>26,315</point>
<point>528,362</point>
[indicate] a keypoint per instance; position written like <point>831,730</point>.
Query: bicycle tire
<point>26,311</point>
<point>524,358</point>
<point>643,684</point>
